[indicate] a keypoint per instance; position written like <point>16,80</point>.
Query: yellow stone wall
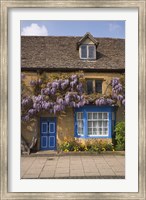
<point>65,125</point>
<point>65,120</point>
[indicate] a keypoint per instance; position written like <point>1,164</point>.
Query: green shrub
<point>120,136</point>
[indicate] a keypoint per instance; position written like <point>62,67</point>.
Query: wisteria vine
<point>68,92</point>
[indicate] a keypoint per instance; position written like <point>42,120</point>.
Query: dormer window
<point>87,51</point>
<point>87,46</point>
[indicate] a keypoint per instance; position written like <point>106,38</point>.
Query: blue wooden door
<point>48,133</point>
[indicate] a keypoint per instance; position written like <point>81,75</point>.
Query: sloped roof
<point>61,52</point>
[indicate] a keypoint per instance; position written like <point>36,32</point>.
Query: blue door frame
<point>48,133</point>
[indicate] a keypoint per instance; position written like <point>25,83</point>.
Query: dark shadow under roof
<point>61,52</point>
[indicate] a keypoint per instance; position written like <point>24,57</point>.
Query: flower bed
<point>88,146</point>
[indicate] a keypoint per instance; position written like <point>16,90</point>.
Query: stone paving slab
<point>97,167</point>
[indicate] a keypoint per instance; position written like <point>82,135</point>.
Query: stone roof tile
<point>62,52</point>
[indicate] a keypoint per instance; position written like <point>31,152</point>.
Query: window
<point>97,123</point>
<point>87,52</point>
<point>94,122</point>
<point>93,86</point>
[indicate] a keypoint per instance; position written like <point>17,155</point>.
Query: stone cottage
<point>100,59</point>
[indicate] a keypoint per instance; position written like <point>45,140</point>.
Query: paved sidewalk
<point>56,167</point>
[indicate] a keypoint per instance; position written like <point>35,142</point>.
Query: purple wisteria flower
<point>59,94</point>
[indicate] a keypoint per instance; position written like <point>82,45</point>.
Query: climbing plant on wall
<point>59,91</point>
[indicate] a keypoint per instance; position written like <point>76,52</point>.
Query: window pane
<point>104,129</point>
<point>80,123</point>
<point>105,124</point>
<point>89,86</point>
<point>105,116</point>
<point>79,115</point>
<point>99,115</point>
<point>98,86</point>
<point>89,115</point>
<point>104,133</point>
<point>94,115</point>
<point>80,131</point>
<point>89,124</point>
<point>91,51</point>
<point>83,51</point>
<point>89,131</point>
<point>100,131</point>
<point>95,124</point>
<point>94,131</point>
<point>99,124</point>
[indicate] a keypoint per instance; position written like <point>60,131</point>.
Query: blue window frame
<point>94,122</point>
